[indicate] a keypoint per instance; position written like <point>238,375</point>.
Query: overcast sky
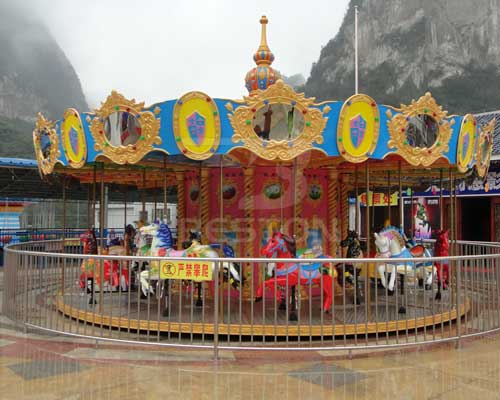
<point>160,49</point>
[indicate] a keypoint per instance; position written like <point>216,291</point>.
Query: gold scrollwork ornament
<point>44,126</point>
<point>278,93</point>
<point>132,153</point>
<point>484,148</point>
<point>397,124</point>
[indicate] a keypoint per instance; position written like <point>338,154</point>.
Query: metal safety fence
<point>318,304</point>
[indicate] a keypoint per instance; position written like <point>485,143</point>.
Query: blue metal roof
<point>17,162</point>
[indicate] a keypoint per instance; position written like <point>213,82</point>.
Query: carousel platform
<point>244,318</point>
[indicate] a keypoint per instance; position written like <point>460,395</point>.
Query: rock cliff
<point>35,75</point>
<point>450,47</point>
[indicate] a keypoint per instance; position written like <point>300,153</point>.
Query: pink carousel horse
<point>285,274</point>
<point>441,249</point>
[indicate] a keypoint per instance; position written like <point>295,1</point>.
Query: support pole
<point>281,197</point>
<point>221,201</point>
<point>63,212</point>
<point>441,199</point>
<point>412,233</point>
<point>389,197</point>
<point>94,195</point>
<point>356,82</point>
<point>125,205</point>
<point>356,193</point>
<point>367,275</point>
<point>221,238</point>
<point>401,203</point>
<point>165,188</point>
<point>451,214</point>
<point>155,210</point>
<point>89,206</point>
<point>295,177</point>
<point>143,201</point>
<point>63,241</point>
<point>101,234</point>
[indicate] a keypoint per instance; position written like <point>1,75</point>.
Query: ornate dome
<point>262,76</point>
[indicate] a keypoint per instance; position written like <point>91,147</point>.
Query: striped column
<point>181,209</point>
<point>333,212</point>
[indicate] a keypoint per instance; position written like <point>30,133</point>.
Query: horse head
<point>130,231</point>
<point>149,229</point>
<point>276,245</point>
<point>382,242</point>
<point>442,245</point>
<point>350,239</point>
<point>89,241</point>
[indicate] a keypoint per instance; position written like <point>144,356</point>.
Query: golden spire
<point>261,76</point>
<point>264,54</point>
<point>263,36</point>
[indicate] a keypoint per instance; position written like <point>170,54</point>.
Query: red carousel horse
<point>441,249</point>
<point>282,246</point>
<point>90,269</point>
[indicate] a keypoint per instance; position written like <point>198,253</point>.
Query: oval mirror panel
<point>122,129</point>
<point>422,131</point>
<point>278,122</point>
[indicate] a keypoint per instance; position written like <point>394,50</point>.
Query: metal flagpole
<point>356,49</point>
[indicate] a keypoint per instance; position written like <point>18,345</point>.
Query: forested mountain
<point>35,75</point>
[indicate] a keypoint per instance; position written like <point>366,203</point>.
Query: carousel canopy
<point>273,124</point>
<point>20,180</point>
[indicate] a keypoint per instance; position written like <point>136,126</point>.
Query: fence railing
<point>341,305</point>
<point>14,236</point>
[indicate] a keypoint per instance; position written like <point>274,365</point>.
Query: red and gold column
<point>333,213</point>
<point>205,203</point>
<point>249,227</point>
<point>344,207</point>
<point>181,209</point>
<point>298,222</point>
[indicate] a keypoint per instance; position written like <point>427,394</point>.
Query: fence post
<point>458,280</point>
<point>216,311</point>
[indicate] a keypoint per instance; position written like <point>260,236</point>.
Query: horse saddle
<point>417,251</point>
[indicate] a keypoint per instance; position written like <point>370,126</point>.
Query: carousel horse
<point>441,249</point>
<point>140,247</point>
<point>162,246</point>
<point>353,251</point>
<point>89,241</point>
<point>227,250</point>
<point>288,275</point>
<point>113,274</point>
<point>390,243</point>
<point>280,245</point>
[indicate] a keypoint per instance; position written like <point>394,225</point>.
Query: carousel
<point>272,175</point>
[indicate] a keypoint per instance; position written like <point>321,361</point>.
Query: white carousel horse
<point>391,244</point>
<point>162,246</point>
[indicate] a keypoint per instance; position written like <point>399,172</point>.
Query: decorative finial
<point>263,35</point>
<point>263,75</point>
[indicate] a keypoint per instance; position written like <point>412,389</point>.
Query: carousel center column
<point>249,229</point>
<point>298,224</point>
<point>204,204</point>
<point>333,212</point>
<point>181,209</point>
<point>344,206</point>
